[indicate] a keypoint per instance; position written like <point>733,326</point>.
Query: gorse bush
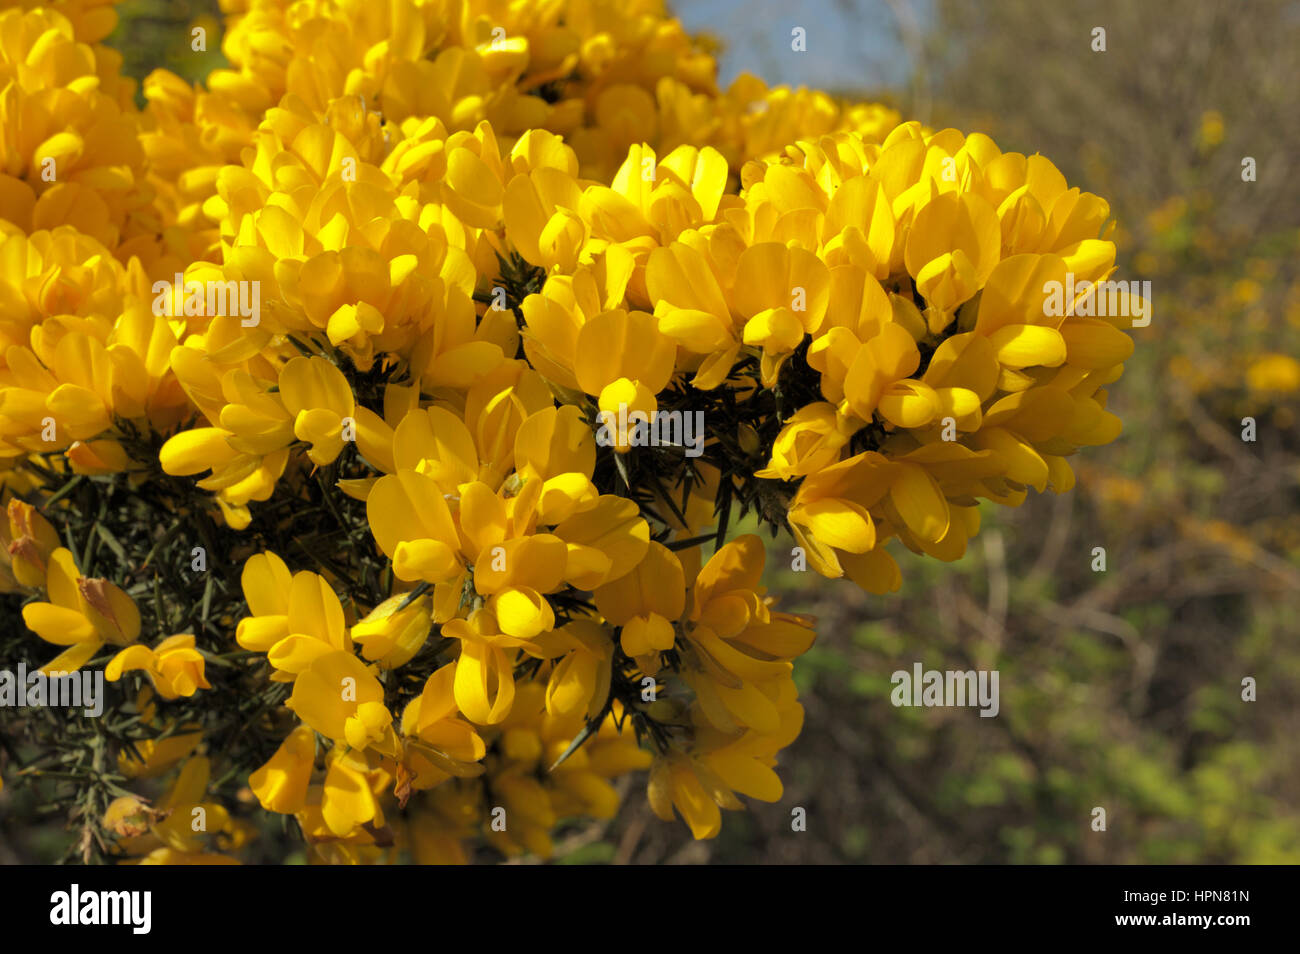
<point>375,414</point>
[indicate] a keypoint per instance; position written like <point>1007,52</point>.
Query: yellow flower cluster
<point>70,151</point>
<point>442,269</point>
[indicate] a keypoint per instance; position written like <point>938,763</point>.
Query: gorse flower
<point>174,666</point>
<point>447,522</point>
<point>82,614</point>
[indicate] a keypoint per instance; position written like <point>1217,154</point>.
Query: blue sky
<point>851,43</point>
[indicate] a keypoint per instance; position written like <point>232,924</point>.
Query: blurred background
<point>1119,689</point>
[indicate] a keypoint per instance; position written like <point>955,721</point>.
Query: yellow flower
<point>651,201</point>
<point>69,144</point>
<point>317,394</point>
<point>295,619</point>
<point>541,218</point>
<point>877,368</point>
<point>603,542</point>
<point>349,796</point>
<point>739,651</point>
<point>82,614</point>
<point>437,744</point>
<point>515,578</point>
<point>781,294</point>
<point>1277,373</point>
<point>281,784</point>
<point>174,666</point>
<point>1211,132</point>
<point>555,316</point>
<point>390,634</point>
<point>177,829</point>
<point>692,309</point>
<point>673,784</point>
<point>647,604</point>
<point>412,524</point>
<point>624,361</point>
<point>484,683</point>
<point>554,446</point>
<point>236,477</point>
<point>810,440</point>
<point>30,541</point>
<point>340,698</point>
<point>953,245</point>
<point>579,682</point>
<point>157,756</point>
